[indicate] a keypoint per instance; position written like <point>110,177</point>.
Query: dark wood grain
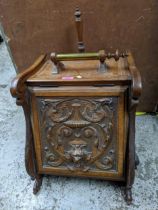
<point>134,94</point>
<point>19,91</point>
<point>84,126</point>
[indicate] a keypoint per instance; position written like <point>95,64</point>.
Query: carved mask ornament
<point>77,132</point>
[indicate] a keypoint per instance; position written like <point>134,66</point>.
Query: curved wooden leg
<point>130,162</point>
<point>37,184</point>
<point>128,195</point>
<point>30,159</point>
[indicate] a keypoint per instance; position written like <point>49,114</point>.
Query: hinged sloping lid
<point>82,71</point>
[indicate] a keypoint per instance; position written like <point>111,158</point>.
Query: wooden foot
<point>37,184</point>
<point>136,161</point>
<point>128,195</point>
<point>1,39</point>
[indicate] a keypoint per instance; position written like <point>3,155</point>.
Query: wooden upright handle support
<point>79,27</point>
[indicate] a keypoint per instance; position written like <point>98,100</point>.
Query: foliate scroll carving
<point>78,133</point>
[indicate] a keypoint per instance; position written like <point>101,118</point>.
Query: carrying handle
<point>101,55</point>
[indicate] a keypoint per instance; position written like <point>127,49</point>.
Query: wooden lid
<point>84,71</point>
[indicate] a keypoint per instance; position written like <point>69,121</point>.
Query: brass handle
<point>101,55</point>
<point>87,56</point>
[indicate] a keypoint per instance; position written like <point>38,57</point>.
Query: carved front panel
<point>79,134</point>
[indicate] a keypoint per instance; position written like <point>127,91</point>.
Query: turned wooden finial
<point>79,27</point>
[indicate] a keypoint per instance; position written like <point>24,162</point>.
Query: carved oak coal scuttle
<point>80,115</point>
